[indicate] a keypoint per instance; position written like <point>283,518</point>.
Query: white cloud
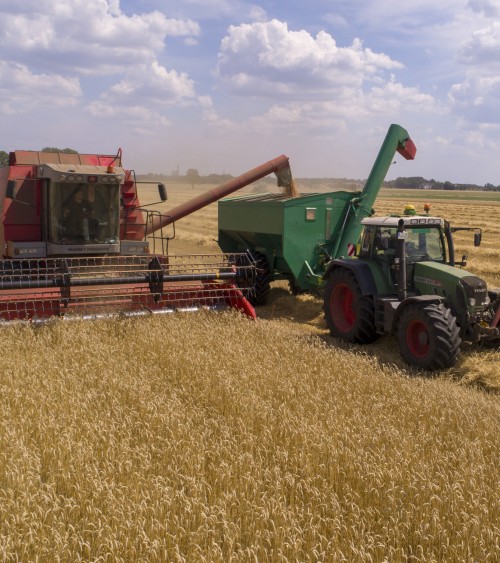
<point>275,84</point>
<point>216,9</point>
<point>483,48</point>
<point>22,90</point>
<point>268,59</point>
<point>397,16</point>
<point>393,97</point>
<point>335,19</point>
<point>87,36</point>
<point>490,8</point>
<point>152,87</point>
<point>476,98</point>
<point>257,13</point>
<point>85,39</point>
<point>319,117</point>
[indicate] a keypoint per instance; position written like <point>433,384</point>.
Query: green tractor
<point>404,281</point>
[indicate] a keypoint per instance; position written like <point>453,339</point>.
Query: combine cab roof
<point>56,170</point>
<point>31,158</point>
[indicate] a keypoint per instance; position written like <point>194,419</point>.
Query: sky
<point>223,86</point>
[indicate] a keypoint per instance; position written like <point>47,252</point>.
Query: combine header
<point>76,240</point>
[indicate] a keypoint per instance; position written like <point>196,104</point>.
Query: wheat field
<point>208,437</point>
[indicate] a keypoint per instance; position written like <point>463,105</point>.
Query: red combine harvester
<point>76,240</point>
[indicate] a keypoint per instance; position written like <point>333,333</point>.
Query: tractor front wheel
<point>349,314</point>
<point>428,336</point>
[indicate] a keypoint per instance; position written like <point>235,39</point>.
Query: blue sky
<point>225,85</point>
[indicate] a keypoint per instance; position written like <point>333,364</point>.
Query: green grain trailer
<point>294,238</point>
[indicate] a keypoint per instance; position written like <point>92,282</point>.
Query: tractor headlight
<point>475,290</point>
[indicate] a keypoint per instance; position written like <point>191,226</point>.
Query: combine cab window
<point>81,213</point>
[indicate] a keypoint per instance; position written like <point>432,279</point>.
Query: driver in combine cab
<point>78,218</point>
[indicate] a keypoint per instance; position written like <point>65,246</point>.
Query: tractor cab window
<point>385,240</point>
<point>83,213</point>
<point>424,243</point>
<point>366,241</point>
<point>384,247</point>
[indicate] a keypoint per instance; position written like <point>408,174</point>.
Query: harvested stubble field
<point>211,438</point>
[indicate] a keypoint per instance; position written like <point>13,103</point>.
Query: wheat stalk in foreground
<point>211,438</point>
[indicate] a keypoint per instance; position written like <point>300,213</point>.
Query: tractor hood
<point>445,281</point>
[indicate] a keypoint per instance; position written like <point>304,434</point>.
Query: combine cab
<point>77,241</point>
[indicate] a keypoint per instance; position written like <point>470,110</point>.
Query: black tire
<point>428,336</point>
<point>260,293</point>
<point>349,314</point>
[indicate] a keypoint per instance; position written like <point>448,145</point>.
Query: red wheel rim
<point>342,309</point>
<point>417,338</point>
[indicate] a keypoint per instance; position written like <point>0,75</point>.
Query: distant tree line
<point>55,149</point>
<point>193,177</point>
<point>419,183</point>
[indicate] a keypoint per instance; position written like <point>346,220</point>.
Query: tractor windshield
<point>83,213</point>
<point>425,243</point>
<point>422,243</point>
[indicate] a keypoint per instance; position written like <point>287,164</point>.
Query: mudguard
<point>360,269</point>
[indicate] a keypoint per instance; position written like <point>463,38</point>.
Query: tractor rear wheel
<point>260,294</point>
<point>428,336</point>
<point>349,314</point>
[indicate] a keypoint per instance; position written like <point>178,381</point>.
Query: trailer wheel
<point>428,336</point>
<point>349,314</point>
<point>260,294</point>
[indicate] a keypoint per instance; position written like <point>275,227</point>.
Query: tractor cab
<point>424,241</point>
<point>424,238</point>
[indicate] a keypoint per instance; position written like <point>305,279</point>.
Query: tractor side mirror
<point>477,239</point>
<point>9,191</point>
<point>162,190</point>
